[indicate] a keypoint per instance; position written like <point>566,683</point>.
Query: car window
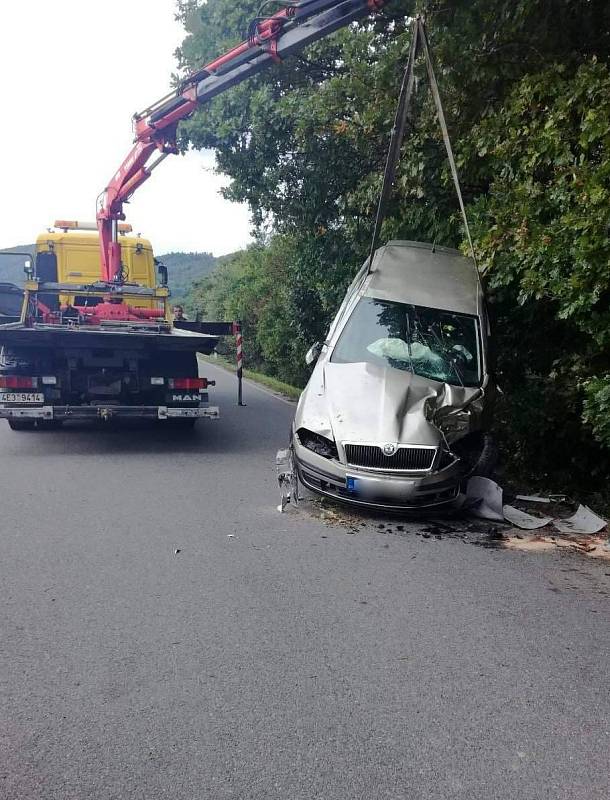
<point>440,345</point>
<point>349,296</point>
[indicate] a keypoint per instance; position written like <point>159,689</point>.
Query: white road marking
<point>264,389</point>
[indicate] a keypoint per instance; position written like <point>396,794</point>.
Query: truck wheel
<point>21,424</point>
<point>182,424</point>
<point>50,424</point>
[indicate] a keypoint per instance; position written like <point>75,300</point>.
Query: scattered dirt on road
<point>540,542</point>
<point>471,531</point>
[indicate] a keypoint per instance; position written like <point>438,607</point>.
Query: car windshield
<point>440,345</point>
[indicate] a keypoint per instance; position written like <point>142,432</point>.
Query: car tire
<point>488,459</point>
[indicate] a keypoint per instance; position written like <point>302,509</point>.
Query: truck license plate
<point>21,397</point>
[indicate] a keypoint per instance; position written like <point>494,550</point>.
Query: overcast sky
<point>72,74</point>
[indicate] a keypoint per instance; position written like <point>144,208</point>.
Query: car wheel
<point>478,454</point>
<point>488,458</point>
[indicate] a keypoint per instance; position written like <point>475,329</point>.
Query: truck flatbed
<point>128,336</point>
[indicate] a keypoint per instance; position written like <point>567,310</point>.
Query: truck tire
<point>21,424</point>
<point>50,424</point>
<point>182,424</point>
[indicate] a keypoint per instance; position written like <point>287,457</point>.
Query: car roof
<point>425,275</point>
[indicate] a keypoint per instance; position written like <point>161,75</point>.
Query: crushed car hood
<point>368,403</point>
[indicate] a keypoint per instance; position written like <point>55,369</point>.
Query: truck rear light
<point>188,383</point>
<point>157,381</point>
<point>17,382</point>
<point>49,380</point>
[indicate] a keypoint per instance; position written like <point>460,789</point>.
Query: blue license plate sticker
<point>351,484</point>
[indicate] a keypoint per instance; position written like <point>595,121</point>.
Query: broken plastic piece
<point>583,521</point>
<point>489,497</point>
<point>523,520</point>
<point>287,479</point>
<point>533,498</point>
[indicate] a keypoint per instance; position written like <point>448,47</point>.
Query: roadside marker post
<point>240,361</point>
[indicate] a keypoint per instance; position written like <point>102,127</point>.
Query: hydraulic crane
<point>270,40</point>
<point>86,348</point>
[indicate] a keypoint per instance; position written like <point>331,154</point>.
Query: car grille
<point>404,459</point>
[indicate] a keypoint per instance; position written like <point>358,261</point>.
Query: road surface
<point>275,656</point>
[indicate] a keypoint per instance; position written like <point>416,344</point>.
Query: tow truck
<point>96,338</point>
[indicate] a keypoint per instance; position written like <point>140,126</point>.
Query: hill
<point>184,268</point>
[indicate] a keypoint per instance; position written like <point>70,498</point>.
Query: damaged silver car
<point>394,415</point>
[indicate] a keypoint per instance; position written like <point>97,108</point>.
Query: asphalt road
<point>275,656</point>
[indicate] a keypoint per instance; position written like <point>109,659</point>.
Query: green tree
<point>525,89</point>
<point>542,233</point>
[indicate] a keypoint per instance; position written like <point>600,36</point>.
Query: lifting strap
<point>397,135</point>
<point>398,131</point>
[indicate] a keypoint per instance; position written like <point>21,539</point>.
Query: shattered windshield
<point>440,345</point>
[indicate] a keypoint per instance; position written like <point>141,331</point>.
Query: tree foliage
<point>542,232</point>
<point>526,92</point>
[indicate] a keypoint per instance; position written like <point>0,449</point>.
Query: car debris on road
<point>583,532</point>
<point>521,519</point>
<point>583,521</point>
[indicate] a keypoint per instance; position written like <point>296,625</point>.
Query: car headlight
<point>317,444</point>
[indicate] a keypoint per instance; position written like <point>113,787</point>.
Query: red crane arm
<point>270,40</point>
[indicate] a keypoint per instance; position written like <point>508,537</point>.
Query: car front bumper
<point>380,490</point>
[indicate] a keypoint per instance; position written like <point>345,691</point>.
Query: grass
<point>279,387</point>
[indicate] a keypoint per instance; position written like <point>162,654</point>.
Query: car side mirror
<point>313,353</point>
<point>27,268</point>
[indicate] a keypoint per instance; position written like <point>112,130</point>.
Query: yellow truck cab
<point>76,248</point>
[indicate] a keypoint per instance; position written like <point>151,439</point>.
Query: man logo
<point>389,449</point>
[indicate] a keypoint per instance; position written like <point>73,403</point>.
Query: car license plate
<point>21,397</point>
<point>351,484</point>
